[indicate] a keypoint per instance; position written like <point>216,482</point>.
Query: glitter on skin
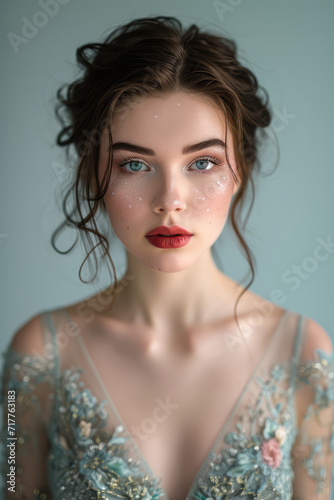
<point>167,190</point>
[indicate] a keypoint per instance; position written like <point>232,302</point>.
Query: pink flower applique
<point>271,452</point>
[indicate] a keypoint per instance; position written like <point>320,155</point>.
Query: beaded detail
<point>260,466</point>
<point>86,460</point>
<point>254,460</point>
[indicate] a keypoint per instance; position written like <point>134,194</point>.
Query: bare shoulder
<point>315,337</point>
<point>29,337</point>
<point>92,308</point>
<point>257,309</point>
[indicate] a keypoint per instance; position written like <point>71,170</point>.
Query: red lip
<point>168,231</point>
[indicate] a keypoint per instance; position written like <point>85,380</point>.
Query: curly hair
<point>147,57</point>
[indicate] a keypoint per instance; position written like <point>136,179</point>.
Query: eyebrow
<point>186,150</point>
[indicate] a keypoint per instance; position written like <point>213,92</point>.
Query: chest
<point>174,411</point>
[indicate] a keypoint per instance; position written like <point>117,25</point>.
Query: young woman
<point>157,387</point>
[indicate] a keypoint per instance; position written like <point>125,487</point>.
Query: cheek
<point>213,197</point>
<point>124,205</point>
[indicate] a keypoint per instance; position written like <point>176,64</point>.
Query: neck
<point>174,302</point>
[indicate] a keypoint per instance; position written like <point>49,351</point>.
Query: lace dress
<point>65,439</point>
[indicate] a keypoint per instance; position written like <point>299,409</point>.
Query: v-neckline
<point>133,442</point>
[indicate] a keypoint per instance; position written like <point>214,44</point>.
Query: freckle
<point>127,227</point>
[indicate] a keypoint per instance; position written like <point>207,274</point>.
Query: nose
<point>168,196</point>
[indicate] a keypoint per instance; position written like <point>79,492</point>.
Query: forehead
<point>175,119</point>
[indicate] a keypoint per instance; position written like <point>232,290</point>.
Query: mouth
<point>168,232</point>
<point>169,241</point>
<point>169,235</point>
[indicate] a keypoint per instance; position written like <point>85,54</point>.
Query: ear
<point>237,182</point>
<point>236,187</point>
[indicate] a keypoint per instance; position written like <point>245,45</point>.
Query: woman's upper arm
<point>313,449</point>
<point>27,391</point>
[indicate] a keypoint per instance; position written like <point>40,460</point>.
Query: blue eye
<point>203,160</point>
<point>136,165</point>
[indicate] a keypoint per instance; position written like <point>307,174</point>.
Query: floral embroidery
<point>323,396</point>
<point>260,466</point>
<point>88,462</point>
<point>270,428</point>
<point>271,452</point>
<point>88,455</point>
<point>277,372</point>
<point>280,434</point>
<point>309,372</point>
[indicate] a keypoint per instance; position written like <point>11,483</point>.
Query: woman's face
<point>165,181</point>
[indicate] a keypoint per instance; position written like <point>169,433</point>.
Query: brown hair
<point>147,57</point>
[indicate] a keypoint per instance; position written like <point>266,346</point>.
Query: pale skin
<point>173,290</point>
<point>165,328</point>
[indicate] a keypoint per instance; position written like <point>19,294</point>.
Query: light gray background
<point>289,46</point>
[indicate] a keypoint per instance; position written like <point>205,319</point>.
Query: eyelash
<point>212,159</point>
